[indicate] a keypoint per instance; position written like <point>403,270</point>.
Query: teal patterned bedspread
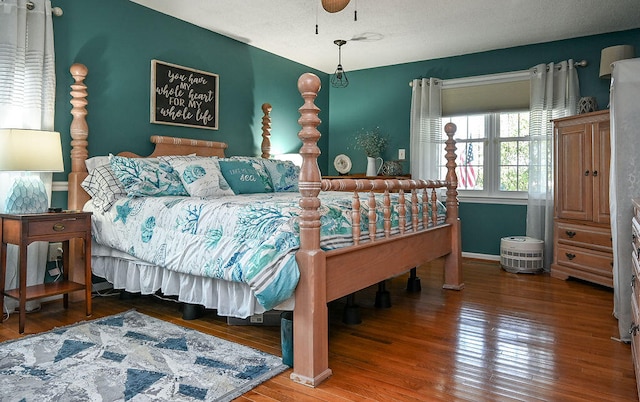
<point>248,238</point>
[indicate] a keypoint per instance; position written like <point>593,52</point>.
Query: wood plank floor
<point>504,337</point>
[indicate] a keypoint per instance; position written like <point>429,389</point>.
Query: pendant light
<point>339,78</point>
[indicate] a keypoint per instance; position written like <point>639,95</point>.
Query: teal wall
<point>382,97</point>
<point>118,39</point>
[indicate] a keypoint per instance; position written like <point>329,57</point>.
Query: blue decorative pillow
<point>243,177</point>
<point>284,174</point>
<point>147,177</point>
<point>202,177</point>
<point>257,164</point>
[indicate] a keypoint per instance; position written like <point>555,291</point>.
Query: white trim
<point>478,256</point>
<point>486,79</point>
<point>492,200</point>
<point>60,186</point>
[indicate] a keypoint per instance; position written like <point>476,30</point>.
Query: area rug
<point>129,357</point>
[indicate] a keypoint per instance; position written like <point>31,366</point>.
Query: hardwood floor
<point>504,337</point>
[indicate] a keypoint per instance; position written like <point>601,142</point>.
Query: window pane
<point>468,127</point>
<point>514,125</point>
<point>514,153</point>
<point>470,168</point>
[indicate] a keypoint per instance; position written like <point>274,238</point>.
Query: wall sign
<point>182,96</point>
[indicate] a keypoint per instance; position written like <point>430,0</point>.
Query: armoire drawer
<point>597,262</point>
<point>587,236</point>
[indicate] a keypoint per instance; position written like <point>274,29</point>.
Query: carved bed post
<point>79,131</point>
<point>266,131</point>
<point>453,261</point>
<point>76,196</point>
<point>310,316</point>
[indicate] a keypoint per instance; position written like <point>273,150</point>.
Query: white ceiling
<point>399,31</point>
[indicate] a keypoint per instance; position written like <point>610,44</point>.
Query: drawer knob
<point>570,256</point>
<point>570,233</point>
<point>58,227</point>
<point>634,329</point>
<point>595,173</point>
<point>586,173</point>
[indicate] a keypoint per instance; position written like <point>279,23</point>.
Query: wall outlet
<point>401,154</point>
<point>55,251</point>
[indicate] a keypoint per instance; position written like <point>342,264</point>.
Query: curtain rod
<point>57,11</point>
<point>581,63</point>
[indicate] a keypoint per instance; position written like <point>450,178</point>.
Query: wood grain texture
<point>506,337</point>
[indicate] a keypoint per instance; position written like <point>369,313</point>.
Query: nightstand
<point>23,230</point>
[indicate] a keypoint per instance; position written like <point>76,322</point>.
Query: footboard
<point>326,276</point>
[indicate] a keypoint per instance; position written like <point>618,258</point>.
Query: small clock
<point>342,163</point>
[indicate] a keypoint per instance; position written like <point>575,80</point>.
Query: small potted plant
<point>373,142</point>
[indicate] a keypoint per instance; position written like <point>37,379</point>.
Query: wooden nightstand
<point>24,229</point>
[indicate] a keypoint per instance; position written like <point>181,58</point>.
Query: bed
<point>378,250</point>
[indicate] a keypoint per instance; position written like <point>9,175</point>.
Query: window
<point>492,154</point>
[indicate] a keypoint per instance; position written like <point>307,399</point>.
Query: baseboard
<point>478,256</point>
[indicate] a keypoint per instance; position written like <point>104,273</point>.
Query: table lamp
<point>29,151</point>
<point>612,54</point>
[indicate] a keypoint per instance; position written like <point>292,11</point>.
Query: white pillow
<point>96,161</point>
<point>202,177</point>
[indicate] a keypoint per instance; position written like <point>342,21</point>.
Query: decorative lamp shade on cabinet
<point>612,54</point>
<point>29,151</point>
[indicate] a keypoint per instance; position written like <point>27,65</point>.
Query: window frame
<point>491,163</point>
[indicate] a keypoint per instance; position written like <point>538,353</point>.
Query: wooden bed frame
<point>324,275</point>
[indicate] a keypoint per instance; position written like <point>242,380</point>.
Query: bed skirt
<point>232,299</point>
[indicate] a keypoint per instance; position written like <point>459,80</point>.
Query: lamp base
<point>27,195</point>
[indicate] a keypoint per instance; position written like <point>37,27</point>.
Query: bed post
<point>310,315</point>
<point>266,131</point>
<point>79,131</point>
<point>76,196</point>
<point>453,261</point>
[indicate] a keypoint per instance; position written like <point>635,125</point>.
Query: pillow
<point>201,177</point>
<point>243,177</point>
<point>104,187</point>
<point>284,174</point>
<point>147,177</point>
<point>257,164</point>
<point>96,161</point>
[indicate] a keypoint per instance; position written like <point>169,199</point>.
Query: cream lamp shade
<point>29,151</point>
<point>612,54</point>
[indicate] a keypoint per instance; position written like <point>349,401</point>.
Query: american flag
<point>467,172</point>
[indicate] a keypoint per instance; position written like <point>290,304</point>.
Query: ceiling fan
<point>333,6</point>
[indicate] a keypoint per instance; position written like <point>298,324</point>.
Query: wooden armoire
<point>582,232</point>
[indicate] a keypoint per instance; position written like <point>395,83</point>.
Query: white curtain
<point>426,128</point>
<point>554,93</point>
<point>624,183</point>
<point>27,99</point>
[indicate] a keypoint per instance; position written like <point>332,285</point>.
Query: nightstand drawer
<point>64,225</point>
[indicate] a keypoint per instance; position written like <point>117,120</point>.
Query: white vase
<point>372,168</point>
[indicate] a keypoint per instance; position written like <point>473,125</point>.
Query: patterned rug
<point>129,357</point>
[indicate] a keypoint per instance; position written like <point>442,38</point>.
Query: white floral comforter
<point>248,238</point>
